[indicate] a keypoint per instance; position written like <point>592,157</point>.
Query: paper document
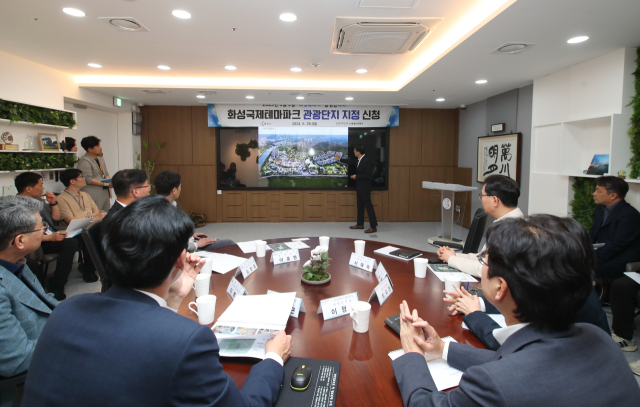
<point>464,277</point>
<point>222,263</point>
<point>76,226</point>
<point>248,247</point>
<point>386,251</point>
<point>633,275</point>
<point>499,318</point>
<point>444,376</point>
<point>297,245</point>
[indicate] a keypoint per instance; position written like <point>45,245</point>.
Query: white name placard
<point>382,291</point>
<point>337,306</point>
<point>247,268</point>
<point>298,305</point>
<point>235,288</point>
<point>363,262</point>
<point>381,274</point>
<point>285,256</point>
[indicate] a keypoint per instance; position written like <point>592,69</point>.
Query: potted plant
<point>314,268</point>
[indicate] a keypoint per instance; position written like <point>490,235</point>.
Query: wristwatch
<point>53,204</point>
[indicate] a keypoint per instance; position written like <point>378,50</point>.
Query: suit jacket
<point>121,348</point>
<point>90,171</point>
<point>621,233</point>
<point>482,325</point>
<point>112,211</point>
<point>364,171</point>
<point>578,367</point>
<point>22,317</point>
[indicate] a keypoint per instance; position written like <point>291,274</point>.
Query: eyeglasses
<point>45,226</point>
<point>480,195</point>
<point>481,258</point>
<point>144,186</point>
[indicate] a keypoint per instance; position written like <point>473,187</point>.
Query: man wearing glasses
<point>24,306</point>
<point>129,185</point>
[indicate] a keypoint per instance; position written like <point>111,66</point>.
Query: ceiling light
<point>230,68</point>
<point>163,67</point>
<point>95,65</point>
<point>181,14</point>
<point>288,17</point>
<point>348,98</point>
<point>576,40</point>
<point>440,100</point>
<point>74,12</point>
<point>249,97</point>
<point>362,70</point>
<point>299,97</point>
<point>481,81</point>
<point>296,69</point>
<point>200,96</point>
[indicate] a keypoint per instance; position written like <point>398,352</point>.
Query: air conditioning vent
<point>129,24</point>
<point>512,48</point>
<point>154,91</point>
<point>315,94</point>
<point>362,36</point>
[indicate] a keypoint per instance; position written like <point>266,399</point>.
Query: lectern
<point>448,193</point>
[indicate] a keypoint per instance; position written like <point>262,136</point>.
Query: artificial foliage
<point>634,123</point>
<point>148,166</point>
<point>314,268</point>
<point>35,161</point>
<point>582,206</point>
<point>19,112</point>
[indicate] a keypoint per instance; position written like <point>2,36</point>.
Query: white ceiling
<point>263,47</point>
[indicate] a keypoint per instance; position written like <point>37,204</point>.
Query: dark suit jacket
<point>579,367</point>
<point>121,348</point>
<point>482,325</point>
<point>115,208</point>
<point>621,233</point>
<point>364,171</point>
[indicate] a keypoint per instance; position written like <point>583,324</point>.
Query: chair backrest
<point>92,236</point>
<point>476,231</point>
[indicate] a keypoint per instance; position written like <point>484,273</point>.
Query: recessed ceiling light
<point>294,69</point>
<point>200,96</point>
<point>249,97</point>
<point>481,81</point>
<point>95,65</point>
<point>163,67</point>
<point>288,17</point>
<point>181,14</point>
<point>74,12</point>
<point>440,100</point>
<point>362,70</point>
<point>230,68</point>
<point>348,98</point>
<point>299,97</point>
<point>576,40</point>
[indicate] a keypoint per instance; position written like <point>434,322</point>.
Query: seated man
<point>168,184</point>
<point>29,184</point>
<point>617,225</point>
<point>130,348</point>
<point>24,306</point>
<point>128,186</point>
<point>537,275</point>
<point>499,198</point>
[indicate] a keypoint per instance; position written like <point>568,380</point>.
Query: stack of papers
<point>248,247</point>
<point>464,277</point>
<point>222,263</point>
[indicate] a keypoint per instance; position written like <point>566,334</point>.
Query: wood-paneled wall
<point>423,148</point>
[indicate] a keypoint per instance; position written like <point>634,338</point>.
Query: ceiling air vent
<point>153,91</point>
<point>315,94</point>
<point>512,48</point>
<point>361,36</point>
<point>129,24</point>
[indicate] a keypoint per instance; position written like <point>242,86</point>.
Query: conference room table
<point>366,376</point>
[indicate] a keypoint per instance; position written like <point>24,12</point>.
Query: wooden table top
<point>366,375</point>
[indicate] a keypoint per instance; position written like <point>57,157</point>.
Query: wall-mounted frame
<point>500,155</point>
<point>49,142</point>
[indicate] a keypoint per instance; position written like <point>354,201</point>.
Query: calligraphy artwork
<point>499,155</point>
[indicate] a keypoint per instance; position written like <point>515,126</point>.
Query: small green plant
<point>149,166</point>
<point>634,124</point>
<point>19,112</point>
<point>36,161</point>
<point>314,268</point>
<point>582,206</point>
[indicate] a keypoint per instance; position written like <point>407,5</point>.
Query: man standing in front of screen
<point>364,171</point>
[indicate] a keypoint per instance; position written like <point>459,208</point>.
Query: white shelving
<point>38,151</point>
<point>46,126</point>
<point>36,170</point>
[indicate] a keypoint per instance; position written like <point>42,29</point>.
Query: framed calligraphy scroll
<point>500,155</point>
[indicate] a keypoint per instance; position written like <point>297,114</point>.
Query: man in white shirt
<point>499,199</point>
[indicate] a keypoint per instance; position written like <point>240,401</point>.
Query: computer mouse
<point>301,378</point>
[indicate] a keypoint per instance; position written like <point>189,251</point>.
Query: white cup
<point>207,268</point>
<point>206,311</point>
<point>324,241</point>
<point>450,282</point>
<point>360,312</point>
<point>420,267</point>
<point>261,248</point>
<point>202,284</point>
<point>359,244</point>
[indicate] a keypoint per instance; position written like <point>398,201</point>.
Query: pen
<point>466,287</point>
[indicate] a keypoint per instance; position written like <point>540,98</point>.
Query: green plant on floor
<point>19,112</point>
<point>634,124</point>
<point>314,268</point>
<point>36,161</point>
<point>149,166</point>
<point>582,206</point>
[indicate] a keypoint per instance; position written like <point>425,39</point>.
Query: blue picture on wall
<point>599,165</point>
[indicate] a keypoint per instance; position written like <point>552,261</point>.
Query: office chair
<point>476,231</point>
<point>92,237</point>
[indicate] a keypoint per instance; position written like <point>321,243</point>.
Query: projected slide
<point>303,157</point>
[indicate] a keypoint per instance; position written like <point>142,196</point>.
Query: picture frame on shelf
<point>500,155</point>
<point>49,142</point>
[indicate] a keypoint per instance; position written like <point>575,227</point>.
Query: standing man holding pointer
<point>364,171</point>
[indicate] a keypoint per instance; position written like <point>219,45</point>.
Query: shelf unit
<point>46,126</point>
<point>38,170</point>
<point>38,151</point>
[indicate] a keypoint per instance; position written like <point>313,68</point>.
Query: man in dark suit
<point>126,347</point>
<point>128,185</point>
<point>538,275</point>
<point>364,172</point>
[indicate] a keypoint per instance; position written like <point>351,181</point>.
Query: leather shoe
<point>88,276</point>
<point>371,230</point>
<point>58,292</point>
<point>356,227</point>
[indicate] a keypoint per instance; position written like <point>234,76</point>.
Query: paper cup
<point>202,284</point>
<point>359,247</point>
<point>360,312</point>
<point>450,282</point>
<point>261,248</point>
<point>324,241</point>
<point>206,308</point>
<point>207,268</point>
<point>420,267</point>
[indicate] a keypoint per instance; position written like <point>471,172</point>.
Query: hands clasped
<point>416,335</point>
<point>444,253</point>
<point>462,301</point>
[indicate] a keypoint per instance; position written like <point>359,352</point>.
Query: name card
<point>363,262</point>
<point>382,291</point>
<point>235,288</point>
<point>285,256</point>
<point>247,268</point>
<point>337,306</point>
<point>298,305</point>
<point>381,274</point>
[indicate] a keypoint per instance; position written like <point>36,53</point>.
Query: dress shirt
<point>124,206</point>
<point>501,335</point>
<point>359,160</point>
<point>483,307</point>
<point>608,210</point>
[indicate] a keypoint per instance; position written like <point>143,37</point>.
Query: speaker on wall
<point>136,120</point>
<point>136,130</point>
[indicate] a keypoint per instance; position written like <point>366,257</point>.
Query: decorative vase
<point>315,282</point>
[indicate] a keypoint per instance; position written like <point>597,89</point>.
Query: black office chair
<point>17,383</point>
<point>476,231</point>
<point>92,236</point>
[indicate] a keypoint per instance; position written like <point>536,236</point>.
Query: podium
<point>448,193</point>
